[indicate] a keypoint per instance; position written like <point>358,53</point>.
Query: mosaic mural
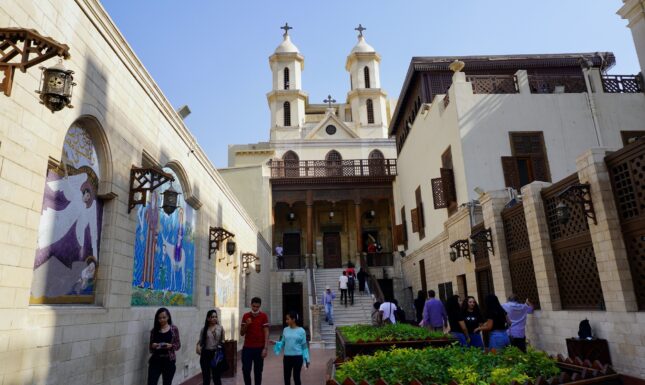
<point>67,257</point>
<point>164,252</point>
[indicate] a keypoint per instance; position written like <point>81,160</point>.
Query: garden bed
<point>366,339</point>
<point>456,365</point>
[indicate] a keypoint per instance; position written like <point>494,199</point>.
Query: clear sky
<point>213,54</point>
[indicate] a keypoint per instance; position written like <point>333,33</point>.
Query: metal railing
<point>333,168</point>
<point>551,84</point>
<point>628,84</point>
<point>380,259</point>
<point>493,84</point>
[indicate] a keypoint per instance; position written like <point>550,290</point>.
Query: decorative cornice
<point>355,56</point>
<point>276,94</point>
<point>377,92</point>
<point>255,152</point>
<point>633,11</point>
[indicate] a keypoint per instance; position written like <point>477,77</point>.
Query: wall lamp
<point>291,216</point>
<point>459,250</point>
<point>247,259</point>
<point>216,236</point>
<point>148,179</point>
<point>480,237</point>
<point>577,194</point>
<point>331,215</point>
<point>370,215</point>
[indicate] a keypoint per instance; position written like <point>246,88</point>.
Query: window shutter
<point>448,180</point>
<point>420,219</point>
<point>511,173</point>
<point>415,220</point>
<point>438,195</point>
<point>540,170</point>
<point>398,234</point>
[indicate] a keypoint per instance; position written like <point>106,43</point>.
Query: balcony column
<point>359,235</point>
<point>310,229</point>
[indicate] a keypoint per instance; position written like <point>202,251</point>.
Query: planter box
<point>346,350</point>
<point>573,372</point>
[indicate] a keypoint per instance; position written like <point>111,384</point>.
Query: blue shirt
<point>517,313</point>
<point>434,314</point>
<point>295,341</point>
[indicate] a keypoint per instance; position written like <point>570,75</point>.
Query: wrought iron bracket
<point>580,194</point>
<point>462,248</point>
<point>247,259</point>
<point>28,48</point>
<point>142,180</point>
<point>216,236</point>
<point>484,236</point>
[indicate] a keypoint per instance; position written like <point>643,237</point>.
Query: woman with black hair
<point>296,350</point>
<point>456,320</point>
<point>419,303</point>
<point>164,342</point>
<point>211,339</point>
<point>473,318</point>
<point>496,322</point>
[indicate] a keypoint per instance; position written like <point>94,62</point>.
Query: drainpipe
<point>586,65</point>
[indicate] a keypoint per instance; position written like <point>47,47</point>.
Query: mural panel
<point>67,256</point>
<point>164,252</point>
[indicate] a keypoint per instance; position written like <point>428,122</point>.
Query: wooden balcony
<point>351,169</point>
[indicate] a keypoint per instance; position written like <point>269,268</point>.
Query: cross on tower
<point>286,28</point>
<point>329,100</point>
<point>360,30</point>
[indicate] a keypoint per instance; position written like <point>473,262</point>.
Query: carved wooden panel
<point>415,220</point>
<point>438,196</point>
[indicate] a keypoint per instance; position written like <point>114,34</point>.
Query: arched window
<point>334,163</point>
<point>291,164</point>
<point>366,75</point>
<point>376,163</point>
<point>370,111</point>
<point>70,223</point>
<point>286,78</point>
<point>287,114</point>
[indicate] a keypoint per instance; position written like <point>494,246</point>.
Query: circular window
<point>331,130</point>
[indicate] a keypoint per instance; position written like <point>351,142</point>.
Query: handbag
<point>219,361</point>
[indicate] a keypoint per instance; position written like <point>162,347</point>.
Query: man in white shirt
<point>387,310</point>
<point>342,285</point>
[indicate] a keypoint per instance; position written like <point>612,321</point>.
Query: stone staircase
<point>359,313</point>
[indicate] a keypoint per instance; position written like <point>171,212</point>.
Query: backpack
<point>584,329</point>
<point>350,281</point>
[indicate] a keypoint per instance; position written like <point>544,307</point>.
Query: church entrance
<point>331,250</point>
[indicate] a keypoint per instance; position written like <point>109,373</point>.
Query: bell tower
<point>367,99</point>
<point>286,99</point>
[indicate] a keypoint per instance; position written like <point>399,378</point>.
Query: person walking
<point>434,313</point>
<point>387,312</point>
<point>419,303</point>
<point>351,282</point>
<point>255,330</point>
<point>517,314</point>
<point>342,285</point>
<point>496,321</point>
<point>211,339</point>
<point>296,350</point>
<point>473,318</point>
<point>279,257</point>
<point>362,277</point>
<point>328,303</point>
<point>456,320</point>
<point>164,342</point>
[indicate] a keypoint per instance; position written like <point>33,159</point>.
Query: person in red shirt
<point>255,330</point>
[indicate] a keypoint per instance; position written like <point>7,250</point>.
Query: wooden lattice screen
<point>482,258</point>
<point>573,254</point>
<point>518,248</point>
<point>627,173</point>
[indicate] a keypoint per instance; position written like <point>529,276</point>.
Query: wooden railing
<point>550,84</point>
<point>628,84</point>
<point>493,84</point>
<point>322,168</point>
<point>379,259</point>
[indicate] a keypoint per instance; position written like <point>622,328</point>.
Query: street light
<point>56,84</point>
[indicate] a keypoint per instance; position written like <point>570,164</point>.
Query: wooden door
<point>422,272</point>
<point>291,250</point>
<point>292,300</point>
<point>331,250</point>
<point>485,287</point>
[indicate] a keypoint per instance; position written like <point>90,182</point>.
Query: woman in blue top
<point>296,351</point>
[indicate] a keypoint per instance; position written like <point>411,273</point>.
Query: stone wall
<point>130,119</point>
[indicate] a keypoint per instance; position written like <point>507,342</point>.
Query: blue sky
<point>213,54</point>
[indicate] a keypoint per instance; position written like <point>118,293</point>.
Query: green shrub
<point>368,333</point>
<point>440,365</point>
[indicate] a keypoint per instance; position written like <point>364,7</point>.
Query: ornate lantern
<point>169,200</point>
<point>563,213</point>
<point>56,84</point>
<point>230,247</point>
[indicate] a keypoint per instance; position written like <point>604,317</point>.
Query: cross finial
<point>329,100</point>
<point>286,29</point>
<point>360,30</point>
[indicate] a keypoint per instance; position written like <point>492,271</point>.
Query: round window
<point>331,130</point>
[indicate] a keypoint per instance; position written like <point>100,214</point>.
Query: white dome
<point>362,46</point>
<point>287,46</point>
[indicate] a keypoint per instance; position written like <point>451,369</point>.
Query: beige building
<point>481,215</point>
<point>321,187</point>
<point>84,266</point>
